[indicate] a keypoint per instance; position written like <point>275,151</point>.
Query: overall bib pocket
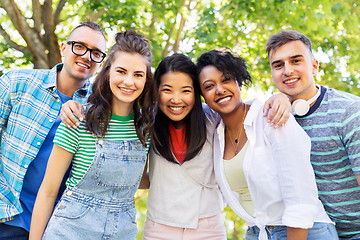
<point>121,168</point>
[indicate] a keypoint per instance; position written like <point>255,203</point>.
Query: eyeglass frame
<point>87,49</point>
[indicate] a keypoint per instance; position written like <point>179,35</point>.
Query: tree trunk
<point>41,41</point>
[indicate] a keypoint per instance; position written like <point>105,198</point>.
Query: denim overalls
<point>101,205</point>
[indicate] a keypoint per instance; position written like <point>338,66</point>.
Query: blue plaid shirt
<point>29,105</point>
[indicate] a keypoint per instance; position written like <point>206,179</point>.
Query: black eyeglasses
<point>80,49</point>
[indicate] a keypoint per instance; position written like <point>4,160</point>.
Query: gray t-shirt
<point>333,124</point>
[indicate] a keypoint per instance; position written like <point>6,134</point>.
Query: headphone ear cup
<point>300,107</point>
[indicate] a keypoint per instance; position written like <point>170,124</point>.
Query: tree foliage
<point>333,26</point>
<point>35,37</point>
<point>31,30</point>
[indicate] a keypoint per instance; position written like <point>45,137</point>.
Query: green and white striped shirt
<point>81,143</point>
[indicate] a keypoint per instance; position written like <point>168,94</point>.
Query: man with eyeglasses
<point>30,102</point>
<point>80,49</point>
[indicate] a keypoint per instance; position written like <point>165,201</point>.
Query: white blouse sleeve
<point>291,151</point>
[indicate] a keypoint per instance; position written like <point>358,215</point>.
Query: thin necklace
<point>236,142</point>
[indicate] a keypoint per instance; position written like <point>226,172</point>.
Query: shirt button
<point>26,166</point>
<point>101,154</point>
<point>17,194</point>
<point>69,193</point>
<point>101,141</point>
<point>51,120</point>
<point>38,143</point>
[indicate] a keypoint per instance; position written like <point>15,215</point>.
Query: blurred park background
<point>31,32</point>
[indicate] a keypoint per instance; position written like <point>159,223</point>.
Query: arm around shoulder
<point>71,113</point>
<point>212,116</point>
<point>277,109</point>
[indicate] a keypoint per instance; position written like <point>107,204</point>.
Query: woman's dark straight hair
<point>195,120</point>
<point>99,114</point>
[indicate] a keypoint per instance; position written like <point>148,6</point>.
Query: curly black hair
<point>228,64</point>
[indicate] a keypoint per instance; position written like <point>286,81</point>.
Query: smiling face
<point>292,69</point>
<point>221,93</point>
<point>177,96</point>
<point>127,80</point>
<point>82,67</point>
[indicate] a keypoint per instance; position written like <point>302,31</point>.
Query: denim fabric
<point>101,205</point>
<point>12,232</point>
<point>319,231</point>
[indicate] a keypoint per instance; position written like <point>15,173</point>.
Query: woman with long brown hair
<point>108,152</point>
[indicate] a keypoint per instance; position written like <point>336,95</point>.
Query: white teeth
<point>82,65</point>
<point>291,81</point>
<point>224,100</point>
<point>176,108</point>
<point>127,90</point>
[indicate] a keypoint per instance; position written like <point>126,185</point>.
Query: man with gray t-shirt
<point>332,119</point>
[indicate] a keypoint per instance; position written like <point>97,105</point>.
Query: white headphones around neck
<point>301,107</point>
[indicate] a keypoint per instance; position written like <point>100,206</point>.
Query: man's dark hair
<point>283,37</point>
<point>94,26</point>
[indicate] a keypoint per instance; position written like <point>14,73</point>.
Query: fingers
<point>71,112</point>
<point>273,115</point>
<point>278,108</point>
<point>278,116</point>
<point>284,115</point>
<point>266,108</point>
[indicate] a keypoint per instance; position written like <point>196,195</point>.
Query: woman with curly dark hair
<point>264,173</point>
<point>108,152</point>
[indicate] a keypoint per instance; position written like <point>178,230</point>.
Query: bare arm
<point>358,179</point>
<point>277,109</point>
<point>57,166</point>
<point>296,233</point>
<point>69,110</point>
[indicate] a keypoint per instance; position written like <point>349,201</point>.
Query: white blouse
<point>180,195</point>
<point>278,171</point>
